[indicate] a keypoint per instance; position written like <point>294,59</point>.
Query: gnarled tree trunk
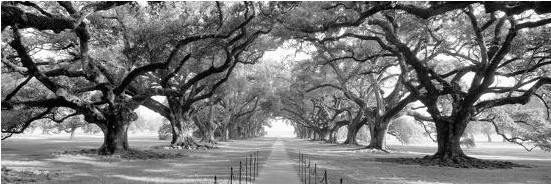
<point>208,134</point>
<point>332,136</point>
<point>448,137</point>
<point>207,131</point>
<point>378,133</point>
<point>353,130</point>
<point>115,137</point>
<point>73,129</point>
<point>115,130</point>
<point>224,132</point>
<point>323,134</point>
<point>182,133</point>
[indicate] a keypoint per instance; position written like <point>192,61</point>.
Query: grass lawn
<point>364,167</point>
<point>37,153</point>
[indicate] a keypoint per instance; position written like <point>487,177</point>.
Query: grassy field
<point>38,154</point>
<point>363,167</point>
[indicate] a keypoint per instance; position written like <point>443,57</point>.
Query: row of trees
<point>447,63</point>
<point>102,60</point>
<point>444,63</point>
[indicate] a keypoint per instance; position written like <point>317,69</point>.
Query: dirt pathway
<point>278,168</point>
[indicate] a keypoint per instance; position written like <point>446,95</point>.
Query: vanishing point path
<point>279,168</point>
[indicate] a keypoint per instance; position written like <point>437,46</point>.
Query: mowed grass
<point>363,167</point>
<point>31,153</point>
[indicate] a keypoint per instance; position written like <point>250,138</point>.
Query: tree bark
<point>448,138</point>
<point>224,133</point>
<point>208,134</point>
<point>207,131</point>
<point>489,137</point>
<point>72,133</point>
<point>115,137</point>
<point>378,133</point>
<point>332,136</point>
<point>324,134</point>
<point>353,130</point>
<point>182,133</point>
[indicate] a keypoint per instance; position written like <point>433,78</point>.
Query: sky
<point>280,129</point>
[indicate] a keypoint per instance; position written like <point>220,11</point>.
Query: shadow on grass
<point>466,163</point>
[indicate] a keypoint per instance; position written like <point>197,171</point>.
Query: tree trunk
<point>378,133</point>
<point>115,138</point>
<point>489,137</point>
<point>72,133</point>
<point>323,134</point>
<point>332,135</point>
<point>182,134</point>
<point>353,130</point>
<point>208,134</point>
<point>224,133</point>
<point>207,131</point>
<point>448,138</point>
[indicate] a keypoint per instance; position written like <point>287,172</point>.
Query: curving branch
<point>522,99</point>
<point>19,87</point>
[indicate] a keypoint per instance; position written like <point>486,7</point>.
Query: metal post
<point>215,179</point>
<point>309,173</point>
<point>303,170</point>
<point>305,166</point>
<point>315,173</point>
<point>254,168</point>
<point>341,180</point>
<point>257,163</point>
<point>304,173</point>
<point>246,169</point>
<point>250,167</point>
<point>240,169</point>
<point>300,165</point>
<point>325,175</point>
<point>231,175</point>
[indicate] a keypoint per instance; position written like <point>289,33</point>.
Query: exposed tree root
<point>457,162</point>
<point>350,144</point>
<point>131,154</point>
<point>193,145</point>
<point>208,141</point>
<point>26,176</point>
<point>189,143</point>
<point>208,144</point>
<point>373,149</point>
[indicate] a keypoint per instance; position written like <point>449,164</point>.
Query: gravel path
<point>278,168</point>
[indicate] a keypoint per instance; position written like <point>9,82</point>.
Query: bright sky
<point>280,129</point>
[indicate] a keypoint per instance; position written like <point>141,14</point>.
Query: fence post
<point>300,164</point>
<point>254,168</point>
<point>315,173</point>
<point>304,170</point>
<point>309,173</point>
<point>325,176</point>
<point>240,169</point>
<point>215,179</point>
<point>231,175</point>
<point>250,167</point>
<point>246,169</point>
<point>257,163</point>
<point>341,180</point>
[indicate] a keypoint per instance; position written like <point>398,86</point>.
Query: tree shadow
<point>464,163</point>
